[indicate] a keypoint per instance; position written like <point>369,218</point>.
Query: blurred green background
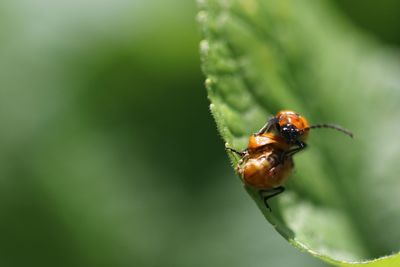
<point>109,155</point>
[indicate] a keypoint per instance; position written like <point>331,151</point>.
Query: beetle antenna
<point>332,126</point>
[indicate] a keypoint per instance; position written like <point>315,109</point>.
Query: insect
<point>267,161</point>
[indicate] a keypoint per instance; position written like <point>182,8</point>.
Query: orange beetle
<point>267,161</point>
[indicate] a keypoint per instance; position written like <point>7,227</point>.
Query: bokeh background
<point>108,153</point>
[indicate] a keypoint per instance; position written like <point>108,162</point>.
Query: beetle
<point>267,161</point>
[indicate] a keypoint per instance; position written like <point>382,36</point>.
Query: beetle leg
<point>291,152</point>
<point>240,153</point>
<point>271,193</point>
<point>267,127</point>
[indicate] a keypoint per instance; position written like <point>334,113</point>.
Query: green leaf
<point>260,57</point>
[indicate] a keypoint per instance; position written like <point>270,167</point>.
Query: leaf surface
<point>260,57</point>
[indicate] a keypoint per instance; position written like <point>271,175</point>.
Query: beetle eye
<point>290,133</point>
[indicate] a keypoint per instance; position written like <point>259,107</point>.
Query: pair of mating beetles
<point>267,161</point>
